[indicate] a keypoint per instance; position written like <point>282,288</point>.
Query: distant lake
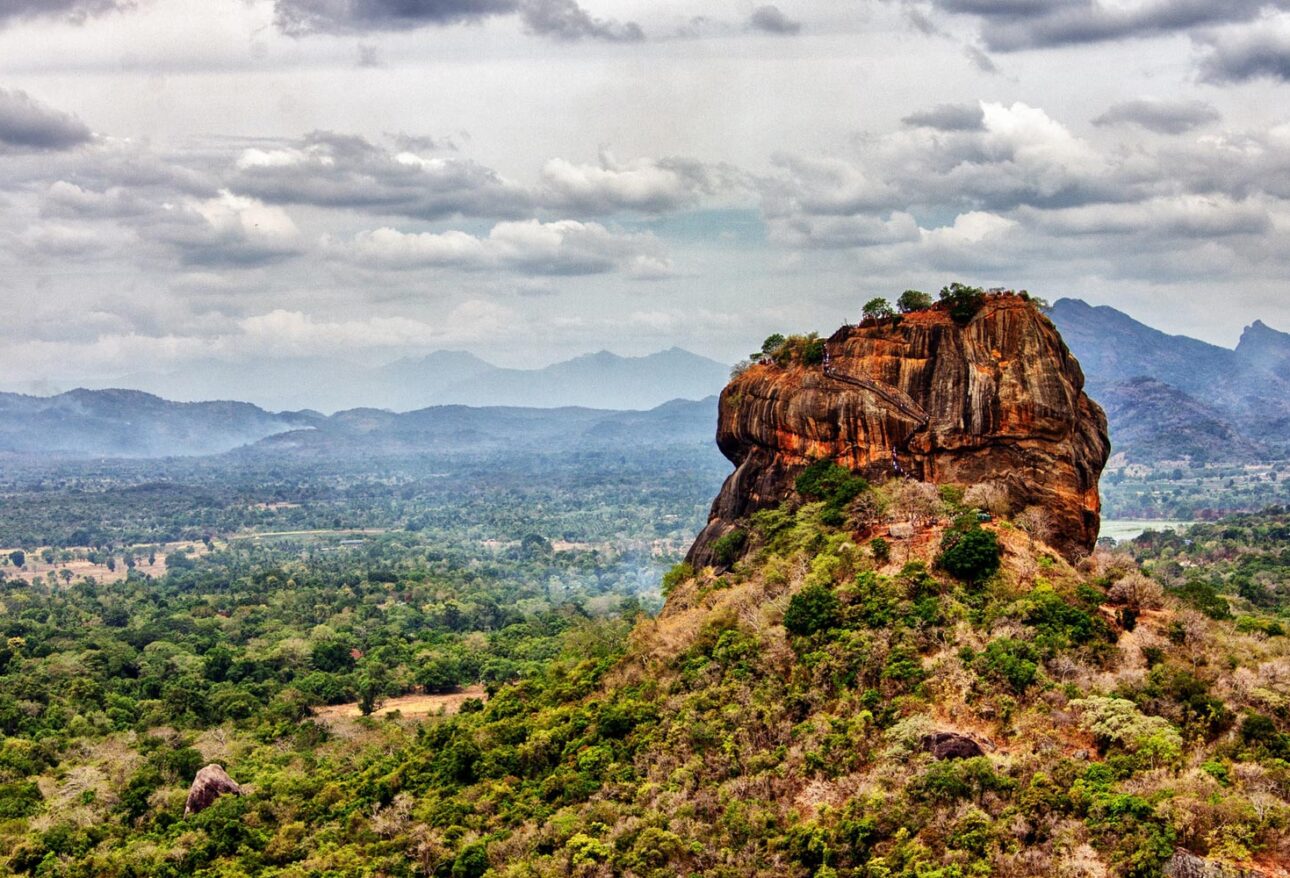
<point>1127,529</point>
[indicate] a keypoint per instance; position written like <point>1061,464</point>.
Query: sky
<point>197,181</point>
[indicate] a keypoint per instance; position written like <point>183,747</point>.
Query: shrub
<point>971,555</point>
<point>726,549</point>
<point>962,301</point>
<point>1205,598</point>
<point>1118,722</point>
<point>881,550</point>
<point>679,573</point>
<point>814,608</point>
<point>1011,661</point>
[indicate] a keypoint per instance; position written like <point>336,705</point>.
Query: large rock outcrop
<point>999,399</point>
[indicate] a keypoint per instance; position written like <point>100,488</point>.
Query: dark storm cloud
<point>1164,117</point>
<point>1013,25</point>
<point>72,10</point>
<point>342,171</point>
<point>559,19</point>
<point>566,20</point>
<point>1252,54</point>
<point>771,20</point>
<point>298,17</point>
<point>27,124</point>
<point>948,117</point>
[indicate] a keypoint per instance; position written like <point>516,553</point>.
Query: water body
<point>1127,529</point>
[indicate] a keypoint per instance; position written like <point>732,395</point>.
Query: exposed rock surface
<point>998,399</point>
<point>209,784</point>
<point>951,745</point>
<point>1187,865</point>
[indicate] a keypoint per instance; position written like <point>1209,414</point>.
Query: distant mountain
<point>463,430</point>
<point>603,380</point>
<point>133,424</point>
<point>1170,397</point>
<point>129,423</point>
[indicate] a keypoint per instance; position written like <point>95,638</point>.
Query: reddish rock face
<point>999,399</point>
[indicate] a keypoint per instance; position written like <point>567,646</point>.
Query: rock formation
<point>209,784</point>
<point>997,399</point>
<point>950,745</point>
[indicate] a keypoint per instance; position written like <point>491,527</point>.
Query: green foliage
<point>680,572</point>
<point>1204,597</point>
<point>880,549</point>
<point>727,548</point>
<point>962,301</point>
<point>1013,662</point>
<point>971,555</point>
<point>913,300</point>
<point>813,609</point>
<point>772,344</point>
<point>836,485</point>
<point>878,309</point>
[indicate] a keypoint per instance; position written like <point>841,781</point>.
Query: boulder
<point>1184,864</point>
<point>209,784</point>
<point>951,745</point>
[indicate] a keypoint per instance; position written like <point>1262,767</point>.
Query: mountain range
<point>1170,397</point>
<point>133,424</point>
<point>601,380</point>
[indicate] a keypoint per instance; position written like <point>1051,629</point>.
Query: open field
<point>407,705</point>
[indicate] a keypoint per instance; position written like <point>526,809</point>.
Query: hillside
<point>875,676</point>
<point>1203,402</point>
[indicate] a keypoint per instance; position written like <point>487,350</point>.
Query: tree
<point>971,555</point>
<point>814,608</point>
<point>878,309</point>
<point>913,300</point>
<point>963,301</point>
<point>18,557</point>
<point>372,683</point>
<point>772,343</point>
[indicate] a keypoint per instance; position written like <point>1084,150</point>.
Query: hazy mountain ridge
<point>1202,401</point>
<point>133,424</point>
<point>130,423</point>
<point>601,380</point>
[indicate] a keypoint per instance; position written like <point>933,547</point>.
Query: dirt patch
<point>79,567</point>
<point>407,705</point>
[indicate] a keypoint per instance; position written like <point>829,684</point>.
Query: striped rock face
<point>998,399</point>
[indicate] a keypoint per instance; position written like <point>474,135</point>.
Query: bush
<point>1011,661</point>
<point>679,573</point>
<point>971,555</point>
<point>881,550</point>
<point>726,549</point>
<point>814,608</point>
<point>963,302</point>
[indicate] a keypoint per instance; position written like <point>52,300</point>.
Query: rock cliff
<point>999,398</point>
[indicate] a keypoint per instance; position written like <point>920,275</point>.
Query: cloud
<point>562,20</point>
<point>338,171</point>
<point>228,230</point>
<point>75,11</point>
<point>1163,117</point>
<point>769,19</point>
<point>301,17</point>
<point>1014,25</point>
<point>1257,52</point>
<point>646,185</point>
<point>561,248</point>
<point>949,117</point>
<point>567,21</point>
<point>27,124</point>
